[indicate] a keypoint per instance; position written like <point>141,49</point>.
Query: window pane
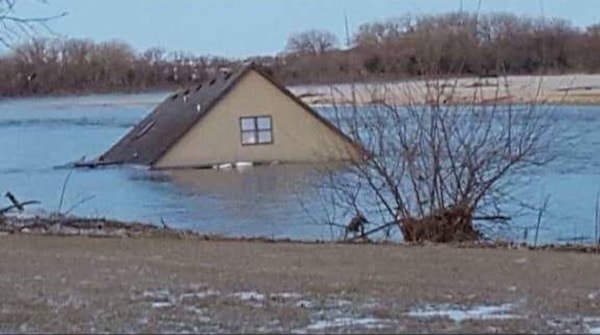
<point>248,137</point>
<point>264,123</point>
<point>265,136</point>
<point>247,123</point>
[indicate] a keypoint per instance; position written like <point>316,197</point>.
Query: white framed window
<point>256,130</point>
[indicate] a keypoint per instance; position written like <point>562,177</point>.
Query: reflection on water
<point>38,135</point>
<point>265,200</point>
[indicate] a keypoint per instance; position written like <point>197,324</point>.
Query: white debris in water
<point>161,304</point>
<point>199,295</point>
<point>248,296</point>
<point>594,330</point>
<point>458,315</point>
<point>368,323</point>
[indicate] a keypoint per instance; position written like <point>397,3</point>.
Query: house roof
<point>151,138</point>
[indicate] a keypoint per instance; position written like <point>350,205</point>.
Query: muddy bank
<point>82,284</point>
<point>108,228</point>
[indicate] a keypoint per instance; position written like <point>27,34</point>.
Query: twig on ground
<point>541,212</point>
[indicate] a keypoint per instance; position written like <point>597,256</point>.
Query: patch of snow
<point>199,295</point>
<point>158,294</point>
<point>306,304</point>
<point>593,295</point>
<point>199,312</point>
<point>248,296</point>
<point>458,315</point>
<point>594,330</point>
<point>161,304</point>
<point>339,303</point>
<point>521,260</point>
<point>367,323</point>
<point>286,295</point>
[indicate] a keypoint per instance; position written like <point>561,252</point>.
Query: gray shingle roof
<point>156,133</point>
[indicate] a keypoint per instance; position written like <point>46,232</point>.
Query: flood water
<point>38,136</point>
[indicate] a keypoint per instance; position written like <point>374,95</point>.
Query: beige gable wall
<point>298,136</point>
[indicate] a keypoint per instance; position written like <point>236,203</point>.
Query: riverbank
<point>173,283</point>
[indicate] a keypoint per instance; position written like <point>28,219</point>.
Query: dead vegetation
<point>452,224</point>
<point>435,165</point>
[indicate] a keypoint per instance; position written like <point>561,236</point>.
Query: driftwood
<point>366,234</point>
<point>16,204</point>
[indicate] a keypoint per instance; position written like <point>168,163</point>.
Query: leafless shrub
<point>438,159</point>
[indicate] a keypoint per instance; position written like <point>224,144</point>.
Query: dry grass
<point>51,283</point>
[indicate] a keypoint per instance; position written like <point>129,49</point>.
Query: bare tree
<point>442,155</point>
<point>312,42</point>
<point>14,27</point>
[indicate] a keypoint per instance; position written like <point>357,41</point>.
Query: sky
<point>242,28</point>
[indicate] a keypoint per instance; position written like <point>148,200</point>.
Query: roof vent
<point>145,129</point>
<point>198,108</point>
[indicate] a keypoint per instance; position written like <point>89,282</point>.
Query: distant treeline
<point>447,44</point>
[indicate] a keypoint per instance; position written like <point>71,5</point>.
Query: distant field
<point>558,89</point>
<point>77,284</point>
<point>575,89</point>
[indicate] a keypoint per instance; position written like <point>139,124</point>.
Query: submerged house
<point>238,116</point>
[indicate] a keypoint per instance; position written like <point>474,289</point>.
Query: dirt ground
<point>84,284</point>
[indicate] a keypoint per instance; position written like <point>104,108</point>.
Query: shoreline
<point>72,226</point>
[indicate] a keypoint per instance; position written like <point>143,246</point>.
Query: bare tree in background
<point>312,42</point>
<point>14,27</point>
